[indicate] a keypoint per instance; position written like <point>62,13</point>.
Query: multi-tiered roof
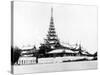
<point>52,38</point>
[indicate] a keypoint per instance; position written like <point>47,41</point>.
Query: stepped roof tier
<point>62,51</point>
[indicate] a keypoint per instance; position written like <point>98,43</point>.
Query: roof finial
<point>51,11</point>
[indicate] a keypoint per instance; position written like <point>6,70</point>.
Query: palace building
<point>52,51</point>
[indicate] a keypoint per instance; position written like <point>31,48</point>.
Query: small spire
<point>51,11</point>
<point>51,22</point>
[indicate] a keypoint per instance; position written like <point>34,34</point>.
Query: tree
<point>15,54</point>
<point>42,49</point>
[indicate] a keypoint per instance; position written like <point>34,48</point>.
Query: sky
<point>73,23</point>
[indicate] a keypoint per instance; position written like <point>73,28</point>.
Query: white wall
<point>5,36</point>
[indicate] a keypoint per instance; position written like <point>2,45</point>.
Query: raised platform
<point>67,66</point>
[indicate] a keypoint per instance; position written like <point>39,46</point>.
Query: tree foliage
<point>15,54</point>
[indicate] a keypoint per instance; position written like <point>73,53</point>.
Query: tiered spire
<point>52,39</point>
